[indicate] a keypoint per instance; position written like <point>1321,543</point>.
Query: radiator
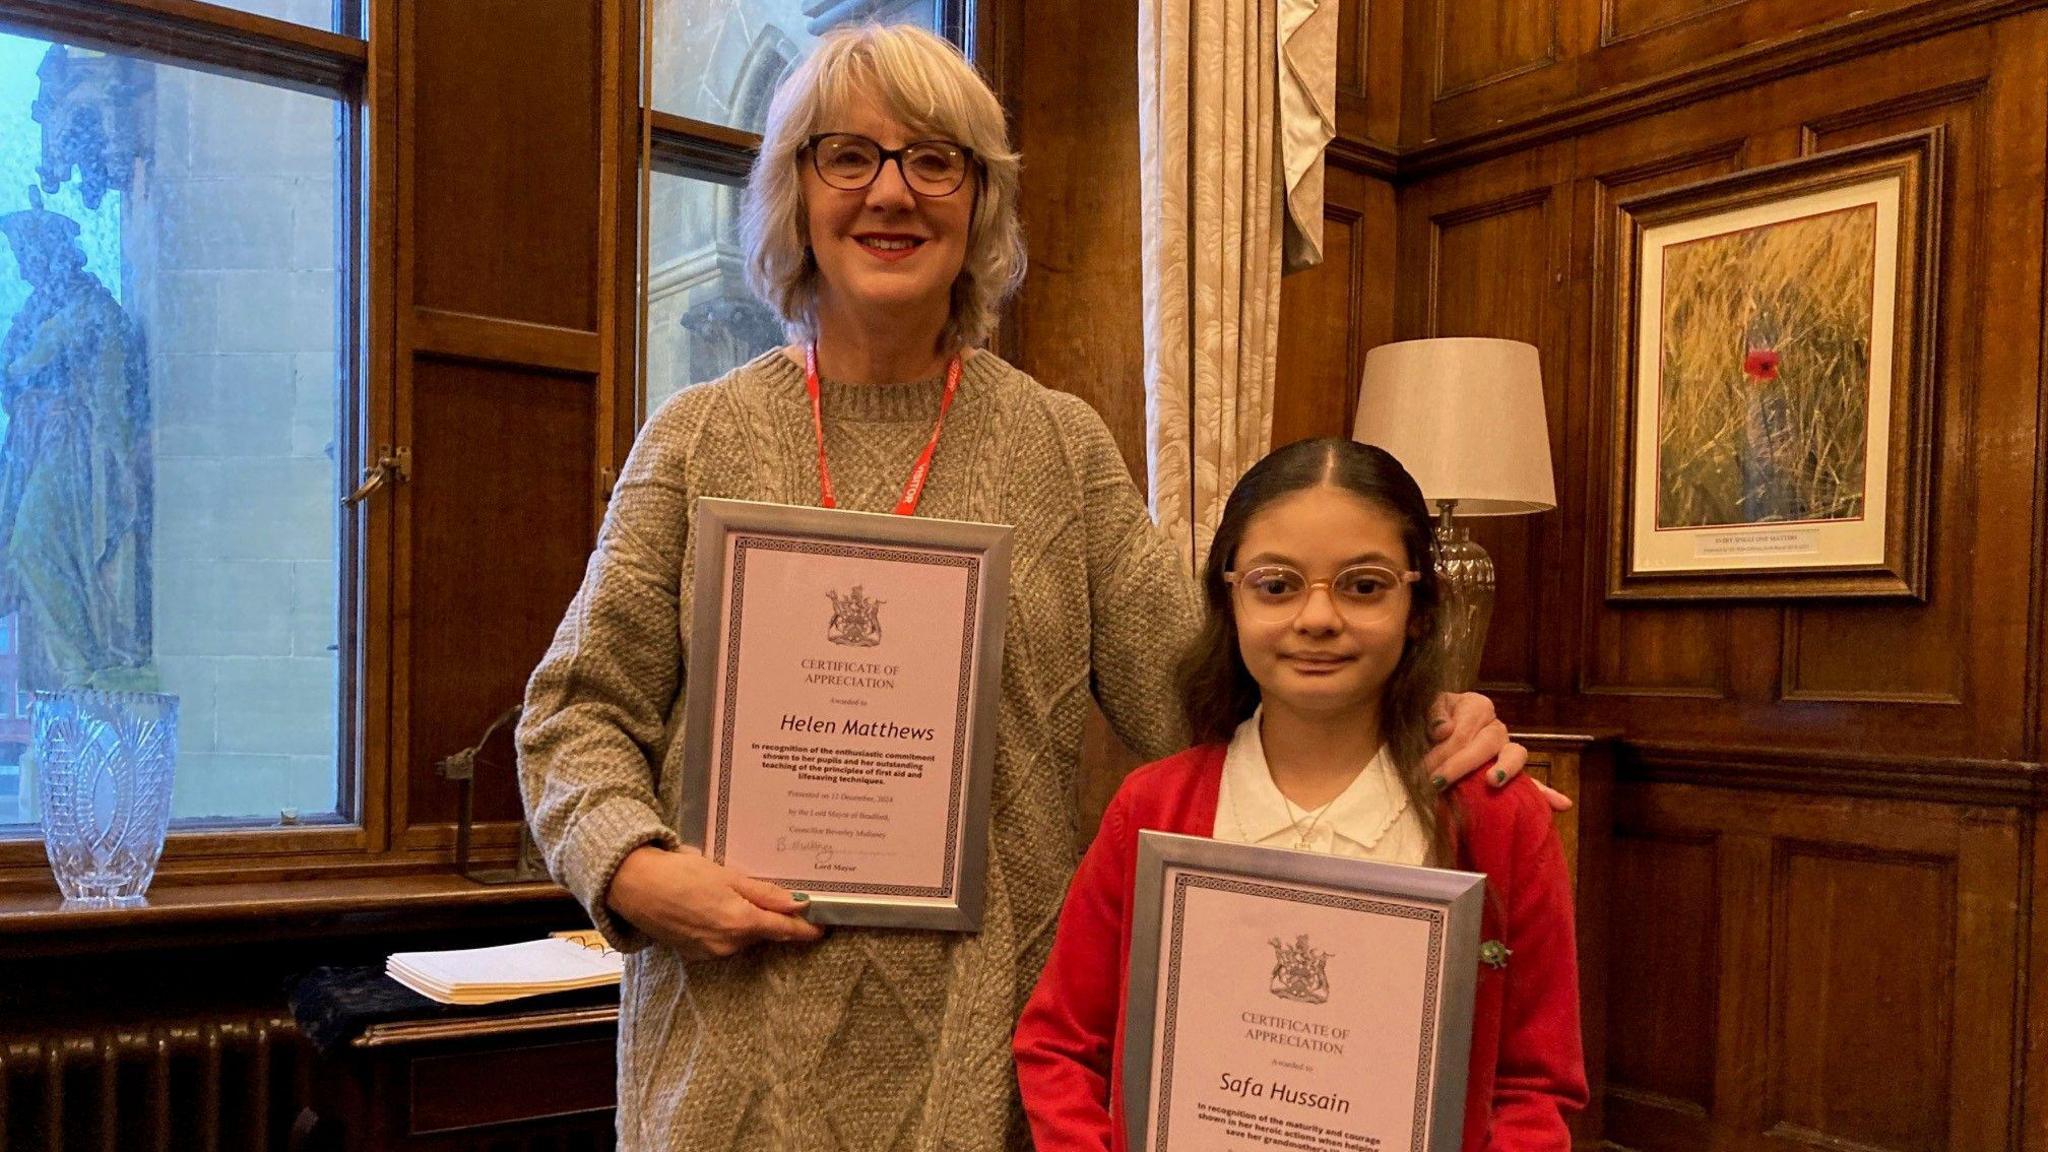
<point>232,1084</point>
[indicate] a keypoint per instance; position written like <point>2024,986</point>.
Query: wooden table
<point>539,1079</point>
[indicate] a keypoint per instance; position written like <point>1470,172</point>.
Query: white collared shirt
<point>1370,819</point>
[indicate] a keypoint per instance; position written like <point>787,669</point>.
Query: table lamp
<point>1465,416</point>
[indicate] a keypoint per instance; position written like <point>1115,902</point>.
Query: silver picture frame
<point>1445,905</point>
<point>972,560</point>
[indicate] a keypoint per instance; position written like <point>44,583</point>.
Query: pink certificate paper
<point>844,689</point>
<point>1294,1016</point>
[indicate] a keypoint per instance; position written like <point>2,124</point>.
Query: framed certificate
<point>840,728</point>
<point>1296,1000</point>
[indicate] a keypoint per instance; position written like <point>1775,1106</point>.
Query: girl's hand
<point>702,909</point>
<point>1468,736</point>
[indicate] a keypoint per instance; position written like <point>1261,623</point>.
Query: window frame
<point>373,844</point>
<point>342,66</point>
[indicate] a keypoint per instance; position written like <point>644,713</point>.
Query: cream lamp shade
<point>1465,416</point>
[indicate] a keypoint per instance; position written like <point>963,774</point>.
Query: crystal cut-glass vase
<point>104,762</point>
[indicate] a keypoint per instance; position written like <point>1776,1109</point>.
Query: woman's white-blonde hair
<point>924,82</point>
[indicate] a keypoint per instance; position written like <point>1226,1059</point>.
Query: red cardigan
<point>1526,1067</point>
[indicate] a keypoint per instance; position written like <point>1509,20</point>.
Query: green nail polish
<point>1500,777</point>
<point>1439,783</point>
<point>800,897</point>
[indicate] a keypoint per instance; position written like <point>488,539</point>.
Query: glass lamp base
<point>1464,574</point>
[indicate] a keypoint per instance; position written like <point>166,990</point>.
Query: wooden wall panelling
<point>1665,650</point>
<point>1078,323</point>
<point>1581,765</point>
<point>1850,967</point>
<point>1353,52</point>
<point>1987,419</point>
<point>1744,920</point>
<point>505,154</point>
<point>1811,1090</point>
<point>1457,233</point>
<point>2031,170</point>
<point>2034,1117</point>
<point>1663,970</point>
<point>1698,673</point>
<point>1624,59</point>
<point>507,310</point>
<point>1626,19</point>
<point>1478,43</point>
<point>1370,66</point>
<point>1827,645</point>
<point>1956,668</point>
<point>1080,316</point>
<point>502,475</point>
<point>1463,53</point>
<point>1320,324</point>
<point>624,317</point>
<point>616,278</point>
<point>1643,38</point>
<point>2009,154</point>
<point>1331,313</point>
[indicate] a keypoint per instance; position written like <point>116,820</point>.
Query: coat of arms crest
<point>856,619</point>
<point>1300,971</point>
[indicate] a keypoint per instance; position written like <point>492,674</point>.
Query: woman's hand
<point>702,909</point>
<point>1468,736</point>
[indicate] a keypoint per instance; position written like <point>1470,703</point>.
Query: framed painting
<point>1774,361</point>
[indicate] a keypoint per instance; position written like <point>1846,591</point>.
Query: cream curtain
<point>1215,191</point>
<point>1308,119</point>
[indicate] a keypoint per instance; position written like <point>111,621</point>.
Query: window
<point>176,350</point>
<point>713,66</point>
<point>197,180</point>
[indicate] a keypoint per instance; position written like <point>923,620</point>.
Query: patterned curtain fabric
<point>1213,202</point>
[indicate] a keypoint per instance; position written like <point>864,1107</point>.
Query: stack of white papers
<point>560,963</point>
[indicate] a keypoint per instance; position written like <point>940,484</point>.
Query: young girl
<point>1309,691</point>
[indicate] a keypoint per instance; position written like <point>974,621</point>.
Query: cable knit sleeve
<point>598,703</point>
<point>1142,604</point>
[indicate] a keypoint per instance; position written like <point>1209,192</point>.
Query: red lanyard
<point>913,488</point>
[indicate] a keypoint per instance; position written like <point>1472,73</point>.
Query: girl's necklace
<point>1301,834</point>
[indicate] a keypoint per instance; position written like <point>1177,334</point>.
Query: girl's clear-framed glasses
<point>1362,593</point>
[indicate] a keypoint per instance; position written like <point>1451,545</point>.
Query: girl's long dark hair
<point>1220,694</point>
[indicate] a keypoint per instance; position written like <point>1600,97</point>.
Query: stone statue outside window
<point>76,471</point>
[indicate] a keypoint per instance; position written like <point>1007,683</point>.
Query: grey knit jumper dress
<point>868,1041</point>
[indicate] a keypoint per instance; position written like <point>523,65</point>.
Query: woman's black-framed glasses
<point>850,162</point>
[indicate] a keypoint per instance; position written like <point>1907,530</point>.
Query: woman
<point>880,222</point>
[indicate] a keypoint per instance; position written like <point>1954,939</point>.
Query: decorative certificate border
<point>720,526</point>
<point>1435,917</point>
<point>1169,866</point>
<point>741,545</point>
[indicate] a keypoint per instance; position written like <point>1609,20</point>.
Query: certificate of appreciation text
<point>842,676</point>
